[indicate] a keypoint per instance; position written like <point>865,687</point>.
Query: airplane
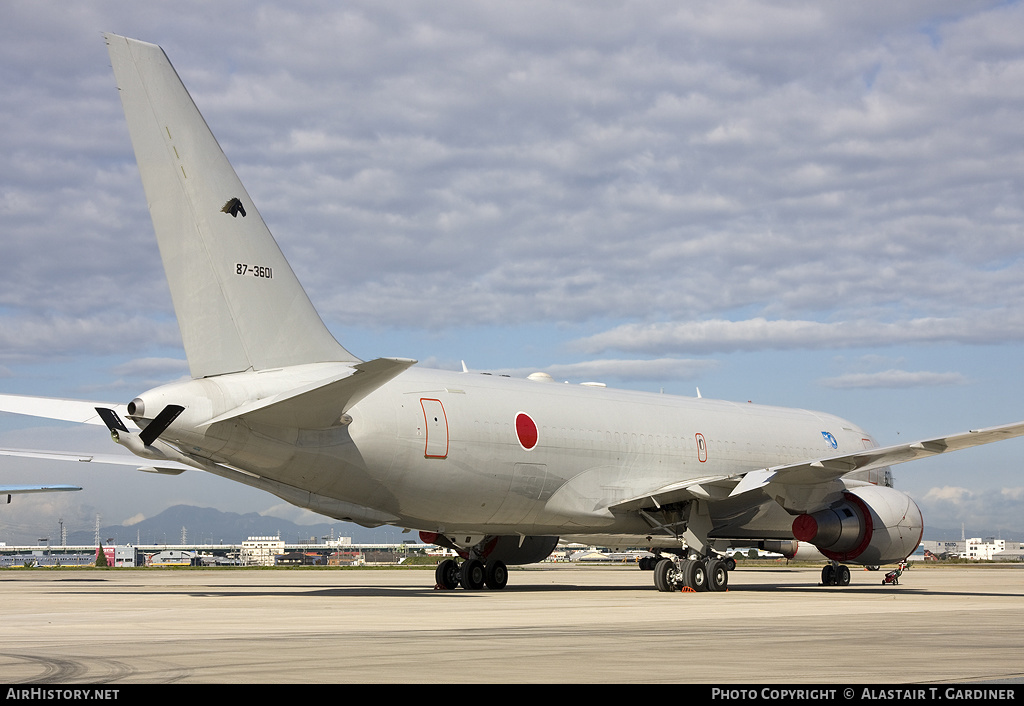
<point>493,467</point>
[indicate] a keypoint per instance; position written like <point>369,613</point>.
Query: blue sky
<point>801,204</point>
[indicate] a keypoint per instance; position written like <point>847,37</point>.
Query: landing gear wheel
<point>496,575</point>
<point>447,575</point>
<point>843,575</point>
<point>472,576</point>
<point>828,575</point>
<point>666,577</point>
<point>695,575</point>
<point>718,575</point>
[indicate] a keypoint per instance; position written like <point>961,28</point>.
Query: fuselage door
<point>436,427</point>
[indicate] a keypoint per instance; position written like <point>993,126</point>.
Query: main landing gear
<point>472,574</point>
<point>691,574</point>
<point>835,574</point>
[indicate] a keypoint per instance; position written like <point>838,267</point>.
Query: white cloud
<point>152,366</point>
<point>949,493</point>
<point>102,333</point>
<point>980,509</point>
<point>759,334</point>
<point>623,370</point>
<point>474,164</point>
<point>893,379</point>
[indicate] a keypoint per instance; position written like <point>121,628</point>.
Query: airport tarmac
<point>552,624</point>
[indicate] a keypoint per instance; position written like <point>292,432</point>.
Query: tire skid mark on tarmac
<point>91,671</point>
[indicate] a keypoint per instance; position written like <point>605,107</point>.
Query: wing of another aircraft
<point>16,489</point>
<point>10,490</point>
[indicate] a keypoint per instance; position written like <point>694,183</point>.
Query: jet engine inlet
<point>871,524</point>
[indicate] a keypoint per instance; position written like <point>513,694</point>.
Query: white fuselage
<point>443,451</point>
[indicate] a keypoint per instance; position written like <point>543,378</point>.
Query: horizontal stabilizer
<point>321,404</point>
<point>55,408</point>
<point>166,467</point>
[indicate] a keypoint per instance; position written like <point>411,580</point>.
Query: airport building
<point>975,548</point>
<point>260,551</point>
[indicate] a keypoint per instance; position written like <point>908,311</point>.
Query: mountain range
<point>204,525</point>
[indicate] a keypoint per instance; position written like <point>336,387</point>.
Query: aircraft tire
<point>496,575</point>
<point>472,575</point>
<point>447,574</point>
<point>843,575</point>
<point>695,575</point>
<point>662,571</point>
<point>828,575</point>
<point>718,575</point>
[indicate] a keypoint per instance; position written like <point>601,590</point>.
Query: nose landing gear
<point>835,574</point>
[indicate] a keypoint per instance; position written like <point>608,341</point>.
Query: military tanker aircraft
<point>493,467</point>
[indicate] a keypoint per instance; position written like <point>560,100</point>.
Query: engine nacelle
<point>786,547</point>
<point>871,525</point>
<point>511,549</point>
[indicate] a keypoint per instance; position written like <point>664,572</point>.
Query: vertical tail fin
<point>238,303</point>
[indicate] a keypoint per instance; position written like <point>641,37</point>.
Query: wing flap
<point>705,487</point>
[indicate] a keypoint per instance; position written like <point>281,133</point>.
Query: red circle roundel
<point>526,430</point>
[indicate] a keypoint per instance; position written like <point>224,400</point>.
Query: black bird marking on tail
<point>234,207</point>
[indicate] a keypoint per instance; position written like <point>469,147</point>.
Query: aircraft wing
<point>816,471</point>
<point>830,468</point>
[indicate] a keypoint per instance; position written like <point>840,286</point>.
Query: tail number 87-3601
<point>254,271</point>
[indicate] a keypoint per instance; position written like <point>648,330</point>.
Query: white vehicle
<point>492,467</point>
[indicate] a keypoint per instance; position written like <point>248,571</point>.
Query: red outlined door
<point>436,426</point>
<point>702,448</point>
